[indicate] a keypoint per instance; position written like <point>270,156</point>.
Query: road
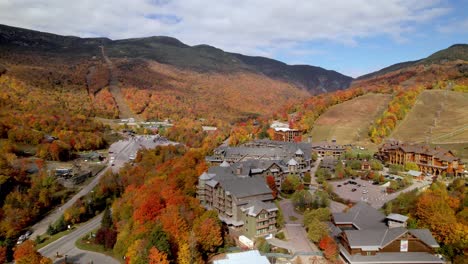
<point>41,227</point>
<point>121,151</point>
<point>65,246</point>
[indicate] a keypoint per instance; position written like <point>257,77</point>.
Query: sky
<point>353,37</point>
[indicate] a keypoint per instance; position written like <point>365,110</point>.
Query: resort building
<point>365,235</point>
<point>435,161</point>
<point>241,199</point>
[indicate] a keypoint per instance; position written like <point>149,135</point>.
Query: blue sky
<point>353,37</point>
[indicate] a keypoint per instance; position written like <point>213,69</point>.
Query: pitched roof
<point>252,256</point>
<point>224,164</point>
<point>425,236</point>
<point>238,186</point>
<point>373,239</point>
<point>397,217</point>
<point>292,162</point>
<point>362,216</point>
<point>254,207</point>
<point>299,152</point>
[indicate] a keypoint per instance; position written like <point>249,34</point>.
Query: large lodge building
<point>435,161</point>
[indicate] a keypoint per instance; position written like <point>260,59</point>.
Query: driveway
<point>295,232</point>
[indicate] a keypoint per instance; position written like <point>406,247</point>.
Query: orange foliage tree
<point>157,257</point>
<point>27,254</point>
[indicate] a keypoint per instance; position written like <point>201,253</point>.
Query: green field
<point>448,128</point>
<point>348,122</point>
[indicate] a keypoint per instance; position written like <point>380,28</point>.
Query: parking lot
<point>375,195</point>
<point>124,150</point>
<point>360,191</point>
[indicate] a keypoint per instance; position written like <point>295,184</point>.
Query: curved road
<point>65,246</point>
<point>41,227</point>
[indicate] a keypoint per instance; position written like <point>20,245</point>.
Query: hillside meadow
<point>348,122</point>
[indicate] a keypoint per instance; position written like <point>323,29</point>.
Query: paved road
<point>66,246</point>
<point>121,151</point>
<point>313,170</point>
<point>41,227</point>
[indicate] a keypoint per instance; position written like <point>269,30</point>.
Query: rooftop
<point>391,257</point>
<point>252,256</point>
<point>362,216</point>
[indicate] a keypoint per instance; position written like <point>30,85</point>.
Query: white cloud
<point>454,26</point>
<point>256,27</point>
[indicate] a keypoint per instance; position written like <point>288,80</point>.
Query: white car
<point>364,191</point>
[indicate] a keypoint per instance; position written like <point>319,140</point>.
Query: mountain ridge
<point>454,52</point>
<point>169,50</point>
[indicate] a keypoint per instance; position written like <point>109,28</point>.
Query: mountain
<point>450,54</point>
<point>170,51</point>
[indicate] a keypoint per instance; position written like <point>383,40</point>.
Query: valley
<point>128,101</point>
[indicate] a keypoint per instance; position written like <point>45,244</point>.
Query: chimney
<point>239,169</point>
<point>309,139</point>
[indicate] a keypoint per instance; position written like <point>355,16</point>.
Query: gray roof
<point>362,216</point>
<point>397,217</point>
<point>205,176</point>
<point>374,239</point>
<point>254,207</point>
<point>239,186</point>
<point>292,162</point>
<point>391,257</point>
<point>224,164</point>
<point>265,149</point>
<point>425,236</point>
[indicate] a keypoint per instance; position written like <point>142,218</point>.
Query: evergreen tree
<point>106,221</point>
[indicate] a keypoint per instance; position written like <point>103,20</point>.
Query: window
<point>369,253</point>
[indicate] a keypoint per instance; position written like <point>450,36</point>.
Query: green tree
<point>106,221</point>
<point>160,240</point>
<point>307,178</point>
<point>302,199</point>
<point>376,165</point>
<point>339,170</point>
<point>322,214</point>
<point>411,166</point>
<point>316,230</point>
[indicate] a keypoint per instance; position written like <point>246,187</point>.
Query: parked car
<point>375,183</point>
<point>353,189</point>
<point>364,191</point>
<point>339,185</point>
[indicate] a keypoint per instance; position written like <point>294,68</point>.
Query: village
<point>265,191</point>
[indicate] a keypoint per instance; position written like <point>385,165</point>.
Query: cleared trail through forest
<point>124,109</point>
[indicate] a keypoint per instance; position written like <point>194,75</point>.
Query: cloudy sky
<point>351,36</point>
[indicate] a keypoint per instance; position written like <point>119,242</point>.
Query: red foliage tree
<point>3,251</point>
<point>329,247</point>
<point>272,184</point>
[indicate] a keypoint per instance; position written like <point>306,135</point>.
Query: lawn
<point>348,122</point>
<point>87,243</point>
